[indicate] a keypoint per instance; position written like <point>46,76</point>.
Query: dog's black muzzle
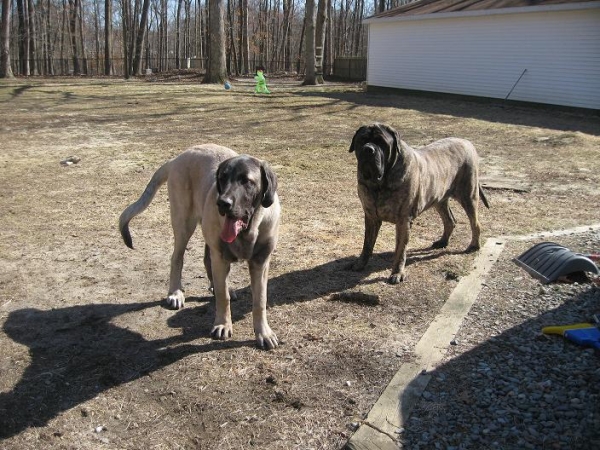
<point>371,163</point>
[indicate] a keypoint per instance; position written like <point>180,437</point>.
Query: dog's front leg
<point>372,227</point>
<point>183,228</point>
<point>259,274</point>
<point>222,327</point>
<point>402,234</point>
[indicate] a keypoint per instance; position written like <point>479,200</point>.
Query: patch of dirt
<point>89,355</point>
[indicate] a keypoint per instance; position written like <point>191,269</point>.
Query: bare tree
<point>23,37</point>
<point>33,54</point>
<point>232,60</point>
<point>321,28</point>
<point>178,35</point>
<point>108,65</point>
<point>310,77</point>
<point>73,14</point>
<point>286,34</point>
<point>217,65</point>
<point>245,46</point>
<point>5,69</point>
<point>82,39</point>
<point>139,39</point>
<point>266,32</point>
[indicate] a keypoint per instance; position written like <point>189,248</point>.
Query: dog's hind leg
<point>443,209</point>
<point>470,206</point>
<point>183,228</point>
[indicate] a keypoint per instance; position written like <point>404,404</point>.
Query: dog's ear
<point>358,133</point>
<point>352,143</point>
<point>217,177</point>
<point>395,149</point>
<point>269,184</point>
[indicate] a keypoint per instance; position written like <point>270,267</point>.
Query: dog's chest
<point>242,249</point>
<point>379,203</point>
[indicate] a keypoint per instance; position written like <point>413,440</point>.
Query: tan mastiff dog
<point>233,198</point>
<point>397,183</point>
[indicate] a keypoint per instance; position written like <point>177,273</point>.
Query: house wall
<point>485,55</point>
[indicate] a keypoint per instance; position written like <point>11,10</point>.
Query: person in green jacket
<point>261,82</point>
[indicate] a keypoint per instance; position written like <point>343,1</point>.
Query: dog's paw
<point>472,248</point>
<point>221,331</point>
<point>266,339</point>
<point>441,243</point>
<point>176,300</point>
<point>396,278</point>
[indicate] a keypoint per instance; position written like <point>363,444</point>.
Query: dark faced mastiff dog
<point>233,198</point>
<point>397,183</point>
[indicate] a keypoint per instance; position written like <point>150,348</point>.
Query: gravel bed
<point>504,384</point>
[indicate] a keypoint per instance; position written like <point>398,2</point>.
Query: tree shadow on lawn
<point>77,353</point>
<point>490,110</point>
<point>531,388</point>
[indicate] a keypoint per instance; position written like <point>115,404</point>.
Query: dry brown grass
<point>86,342</point>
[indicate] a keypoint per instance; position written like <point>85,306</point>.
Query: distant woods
<point>224,37</point>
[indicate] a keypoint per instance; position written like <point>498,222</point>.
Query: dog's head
<point>376,149</point>
<point>243,184</point>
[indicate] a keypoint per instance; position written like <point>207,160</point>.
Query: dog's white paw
<point>397,278</point>
<point>176,300</point>
<point>266,338</point>
<point>221,331</point>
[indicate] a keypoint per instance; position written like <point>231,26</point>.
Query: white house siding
<point>485,55</point>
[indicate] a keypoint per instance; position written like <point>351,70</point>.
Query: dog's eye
<point>243,179</point>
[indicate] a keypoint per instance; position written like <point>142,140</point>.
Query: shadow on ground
<point>490,110</point>
<point>519,389</point>
<point>77,352</point>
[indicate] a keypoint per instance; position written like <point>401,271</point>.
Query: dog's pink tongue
<point>231,229</point>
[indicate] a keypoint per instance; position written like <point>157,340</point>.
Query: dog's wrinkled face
<point>243,183</point>
<point>376,148</point>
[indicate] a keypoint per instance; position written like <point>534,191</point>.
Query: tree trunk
<point>286,31</point>
<point>178,35</point>
<point>82,40</point>
<point>310,77</point>
<point>320,39</point>
<point>139,40</point>
<point>125,15</point>
<point>245,47</point>
<point>5,69</point>
<point>217,66</point>
<point>232,59</point>
<point>33,53</point>
<point>108,66</point>
<point>23,37</point>
<point>302,33</point>
<point>73,13</point>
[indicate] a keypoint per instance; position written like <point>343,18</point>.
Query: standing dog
<point>397,183</point>
<point>234,199</point>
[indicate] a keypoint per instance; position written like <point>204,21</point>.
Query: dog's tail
<point>158,179</point>
<point>483,197</point>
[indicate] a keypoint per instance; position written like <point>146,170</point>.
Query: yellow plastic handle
<point>560,329</point>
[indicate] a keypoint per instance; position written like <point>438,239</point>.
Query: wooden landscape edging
<point>379,431</point>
